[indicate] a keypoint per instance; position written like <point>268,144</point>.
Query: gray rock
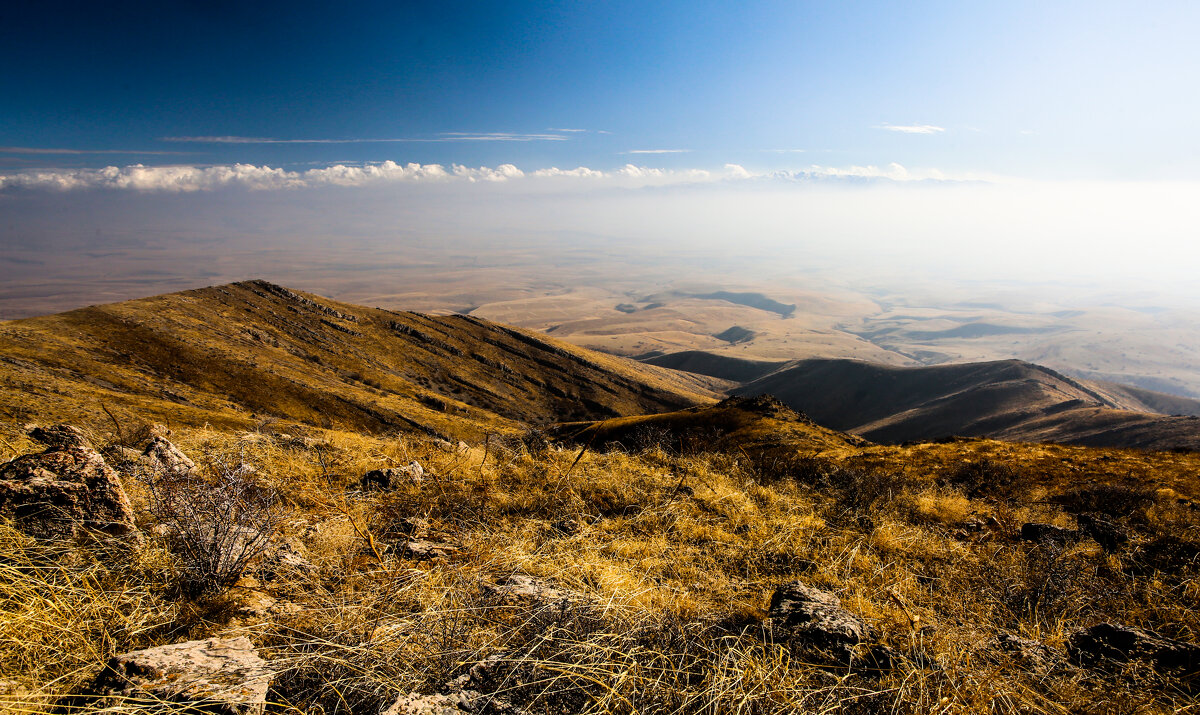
<point>423,549</point>
<point>519,587</point>
<point>223,676</point>
<point>392,477</point>
<point>68,491</point>
<point>809,617</point>
<point>1032,654</point>
<point>1048,534</point>
<point>163,456</point>
<point>414,704</point>
<point>1114,643</point>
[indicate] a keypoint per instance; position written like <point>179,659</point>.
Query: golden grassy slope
<point>673,558</point>
<point>240,354</point>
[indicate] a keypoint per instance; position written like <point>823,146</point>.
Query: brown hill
<point>723,367</point>
<point>755,426</point>
<point>1007,399</point>
<point>252,351</point>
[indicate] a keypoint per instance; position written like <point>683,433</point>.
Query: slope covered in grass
<point>662,566</point>
<point>248,352</point>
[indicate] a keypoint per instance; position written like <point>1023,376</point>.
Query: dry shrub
<point>987,478</point>
<point>218,519</point>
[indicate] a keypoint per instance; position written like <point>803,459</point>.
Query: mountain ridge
<point>252,351</point>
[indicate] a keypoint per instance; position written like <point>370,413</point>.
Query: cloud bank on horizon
<point>190,178</point>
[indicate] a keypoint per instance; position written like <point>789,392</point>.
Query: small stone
<point>423,550</point>
<point>804,616</point>
<point>521,587</point>
<point>392,477</point>
<point>223,676</point>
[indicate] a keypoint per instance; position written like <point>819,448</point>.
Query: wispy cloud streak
<point>443,137</point>
<point>912,128</point>
<point>57,151</point>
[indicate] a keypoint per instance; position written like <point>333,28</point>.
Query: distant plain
<point>629,299</point>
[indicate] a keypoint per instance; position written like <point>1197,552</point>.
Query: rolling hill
<point>756,426</point>
<point>1008,399</point>
<point>254,352</point>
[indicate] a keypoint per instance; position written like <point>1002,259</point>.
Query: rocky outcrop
<point>223,676</point>
<point>392,477</point>
<point>1113,643</point>
<point>806,617</point>
<point>163,456</point>
<point>67,491</point>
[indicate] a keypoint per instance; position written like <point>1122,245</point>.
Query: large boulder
<point>222,676</point>
<point>67,491</point>
<point>1111,642</point>
<point>807,617</point>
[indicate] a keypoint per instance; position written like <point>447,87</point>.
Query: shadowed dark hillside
<point>1006,399</point>
<point>749,425</point>
<point>723,367</point>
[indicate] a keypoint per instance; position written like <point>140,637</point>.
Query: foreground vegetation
<point>662,557</point>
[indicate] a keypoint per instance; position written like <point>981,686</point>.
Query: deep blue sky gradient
<point>1035,89</point>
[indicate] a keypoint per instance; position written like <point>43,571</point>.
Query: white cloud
<point>737,171</point>
<point>912,128</point>
<point>657,151</point>
<point>581,172</point>
<point>504,172</point>
<point>185,178</point>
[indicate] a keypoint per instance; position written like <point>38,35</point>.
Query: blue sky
<point>1042,90</point>
<point>1010,142</point>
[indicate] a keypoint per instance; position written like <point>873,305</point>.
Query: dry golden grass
<point>672,559</point>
